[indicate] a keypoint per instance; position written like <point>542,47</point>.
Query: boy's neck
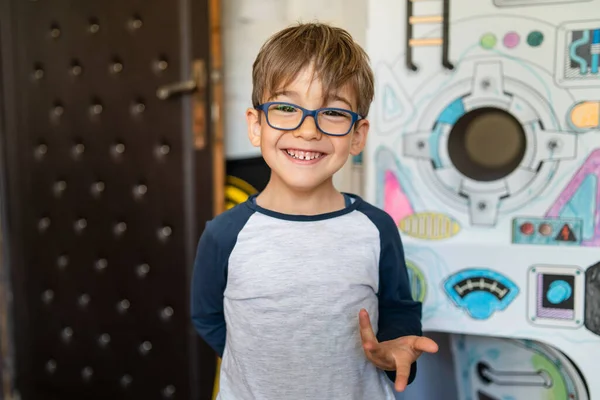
<point>279,197</point>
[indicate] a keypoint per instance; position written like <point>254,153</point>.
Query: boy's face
<point>306,158</point>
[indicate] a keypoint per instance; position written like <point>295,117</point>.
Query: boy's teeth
<point>304,155</point>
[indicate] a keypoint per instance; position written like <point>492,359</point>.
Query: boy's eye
<point>285,108</point>
<point>334,113</point>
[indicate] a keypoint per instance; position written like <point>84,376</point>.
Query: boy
<point>288,286</point>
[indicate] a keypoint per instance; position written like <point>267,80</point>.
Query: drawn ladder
<point>412,42</point>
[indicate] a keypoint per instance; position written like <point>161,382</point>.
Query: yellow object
<point>216,387</point>
<point>237,191</point>
<point>429,226</point>
<point>586,115</point>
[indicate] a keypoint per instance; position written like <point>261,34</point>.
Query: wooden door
<point>111,165</point>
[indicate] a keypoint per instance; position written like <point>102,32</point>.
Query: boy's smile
<point>305,158</point>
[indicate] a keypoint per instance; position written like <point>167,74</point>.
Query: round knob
<point>104,340</point>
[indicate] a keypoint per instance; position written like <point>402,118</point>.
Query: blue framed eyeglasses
<point>288,117</point>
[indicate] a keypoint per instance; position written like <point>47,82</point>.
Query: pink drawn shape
<point>395,201</point>
<point>590,166</point>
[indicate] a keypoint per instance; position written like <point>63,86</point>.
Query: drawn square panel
<point>556,296</point>
<point>515,3</point>
<point>578,54</point>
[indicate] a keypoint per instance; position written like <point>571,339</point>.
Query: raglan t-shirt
<point>277,296</point>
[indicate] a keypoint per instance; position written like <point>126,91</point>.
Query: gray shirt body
<point>278,297</point>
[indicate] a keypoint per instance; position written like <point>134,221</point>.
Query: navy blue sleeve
<point>399,314</point>
<point>209,278</point>
<point>208,284</point>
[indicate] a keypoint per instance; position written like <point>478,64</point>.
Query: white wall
<point>246,25</point>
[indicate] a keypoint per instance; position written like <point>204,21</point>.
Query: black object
<point>104,197</point>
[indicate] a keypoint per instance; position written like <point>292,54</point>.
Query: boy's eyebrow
<point>337,97</point>
<point>286,93</point>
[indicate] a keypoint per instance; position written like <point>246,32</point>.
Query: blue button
<point>558,292</point>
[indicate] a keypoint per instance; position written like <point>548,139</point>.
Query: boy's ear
<point>253,121</point>
<point>359,137</point>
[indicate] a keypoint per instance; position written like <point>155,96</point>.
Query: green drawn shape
<point>535,38</point>
<point>559,386</point>
<point>418,285</point>
<point>488,41</point>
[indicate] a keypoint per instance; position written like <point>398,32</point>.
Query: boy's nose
<point>308,130</point>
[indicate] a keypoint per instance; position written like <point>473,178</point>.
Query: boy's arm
<point>208,284</point>
<point>399,314</point>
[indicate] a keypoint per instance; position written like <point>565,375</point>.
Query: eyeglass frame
<point>264,107</point>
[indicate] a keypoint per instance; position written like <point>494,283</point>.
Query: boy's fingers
<point>400,384</point>
<point>425,344</point>
<point>402,373</point>
<point>366,331</point>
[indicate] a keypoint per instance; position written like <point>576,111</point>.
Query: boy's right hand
<point>393,355</point>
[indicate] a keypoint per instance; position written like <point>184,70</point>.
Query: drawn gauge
<point>497,369</point>
<point>481,292</point>
<point>237,191</point>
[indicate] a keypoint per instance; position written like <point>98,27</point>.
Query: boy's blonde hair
<point>336,58</point>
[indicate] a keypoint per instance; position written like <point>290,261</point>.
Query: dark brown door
<point>107,181</point>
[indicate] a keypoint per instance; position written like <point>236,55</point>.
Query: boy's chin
<point>304,183</point>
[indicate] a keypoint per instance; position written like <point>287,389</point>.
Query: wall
<point>246,25</point>
<point>468,95</point>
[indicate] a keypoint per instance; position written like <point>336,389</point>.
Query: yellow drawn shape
<point>586,115</point>
<point>429,226</point>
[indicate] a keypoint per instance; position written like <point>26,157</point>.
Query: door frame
<point>11,283</point>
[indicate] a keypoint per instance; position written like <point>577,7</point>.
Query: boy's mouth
<point>304,155</point>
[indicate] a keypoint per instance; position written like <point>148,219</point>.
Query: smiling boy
<point>302,290</point>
